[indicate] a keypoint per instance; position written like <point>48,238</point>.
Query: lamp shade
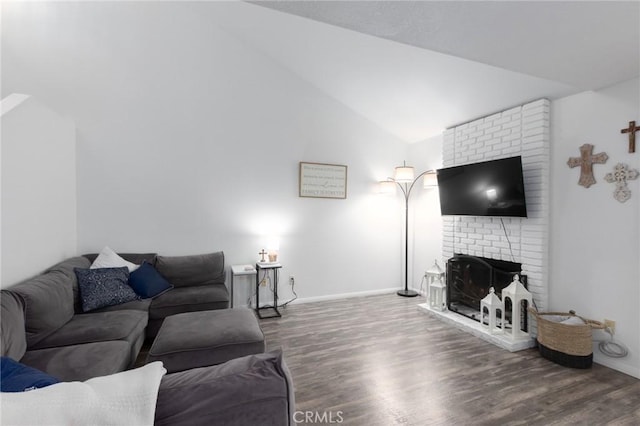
<point>387,187</point>
<point>430,180</point>
<point>273,245</point>
<point>403,174</point>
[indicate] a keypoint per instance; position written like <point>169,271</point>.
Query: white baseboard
<point>344,295</point>
<point>613,363</point>
<point>327,297</point>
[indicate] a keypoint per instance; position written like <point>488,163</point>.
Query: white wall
<point>594,240</point>
<point>189,141</point>
<point>38,188</point>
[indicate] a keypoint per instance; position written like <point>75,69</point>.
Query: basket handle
<point>592,323</point>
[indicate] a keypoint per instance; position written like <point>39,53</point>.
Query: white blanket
<point>127,398</point>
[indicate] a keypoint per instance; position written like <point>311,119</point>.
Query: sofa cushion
<point>66,267</point>
<point>136,305</point>
<point>104,287</point>
<point>124,325</point>
<point>127,325</point>
<point>192,270</point>
<point>13,340</point>
<point>147,282</point>
<point>81,362</point>
<point>198,339</point>
<point>17,377</point>
<point>253,390</point>
<point>48,300</point>
<point>189,299</point>
<point>110,259</point>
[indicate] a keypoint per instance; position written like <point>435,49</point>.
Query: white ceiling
<point>417,67</point>
<point>586,44</point>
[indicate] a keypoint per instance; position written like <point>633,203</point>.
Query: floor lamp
<point>404,178</point>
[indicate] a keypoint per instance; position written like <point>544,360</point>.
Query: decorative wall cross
<point>632,129</point>
<point>620,175</point>
<point>586,162</point>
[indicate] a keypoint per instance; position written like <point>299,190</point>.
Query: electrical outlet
<point>611,325</point>
<point>292,280</point>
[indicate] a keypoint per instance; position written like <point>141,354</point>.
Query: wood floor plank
<point>379,361</point>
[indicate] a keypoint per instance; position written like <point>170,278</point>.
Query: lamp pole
<point>406,188</point>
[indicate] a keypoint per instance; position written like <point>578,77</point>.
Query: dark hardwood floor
<point>379,361</point>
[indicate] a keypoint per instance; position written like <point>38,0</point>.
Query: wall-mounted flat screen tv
<point>489,188</point>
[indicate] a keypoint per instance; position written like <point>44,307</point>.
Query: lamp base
<point>407,293</point>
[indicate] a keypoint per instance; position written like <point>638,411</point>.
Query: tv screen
<point>489,188</point>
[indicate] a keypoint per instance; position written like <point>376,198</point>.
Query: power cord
<point>611,348</point>
<point>504,228</point>
<point>268,279</point>
<point>293,290</point>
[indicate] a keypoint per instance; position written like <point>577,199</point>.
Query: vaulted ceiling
<point>585,44</point>
<point>417,67</point>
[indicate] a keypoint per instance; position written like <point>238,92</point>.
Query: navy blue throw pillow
<point>16,377</point>
<point>147,282</point>
<point>104,287</point>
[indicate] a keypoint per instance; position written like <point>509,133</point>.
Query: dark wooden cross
<point>632,129</point>
<point>586,162</point>
<point>262,253</point>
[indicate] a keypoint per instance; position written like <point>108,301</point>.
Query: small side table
<point>266,267</point>
<point>239,270</point>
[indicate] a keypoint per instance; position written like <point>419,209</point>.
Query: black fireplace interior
<point>469,279</point>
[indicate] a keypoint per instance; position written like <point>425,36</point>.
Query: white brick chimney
<point>523,131</point>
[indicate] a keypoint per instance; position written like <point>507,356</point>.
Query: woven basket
<point>566,344</point>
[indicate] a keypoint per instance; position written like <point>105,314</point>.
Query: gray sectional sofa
<point>43,326</point>
<point>198,280</point>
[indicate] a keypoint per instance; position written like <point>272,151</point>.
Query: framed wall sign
<point>319,180</point>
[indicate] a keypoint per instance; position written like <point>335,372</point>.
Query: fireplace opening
<point>469,279</point>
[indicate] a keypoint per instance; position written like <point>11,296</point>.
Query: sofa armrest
<point>252,390</point>
<point>194,270</point>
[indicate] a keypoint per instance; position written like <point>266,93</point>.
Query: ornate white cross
<point>620,175</point>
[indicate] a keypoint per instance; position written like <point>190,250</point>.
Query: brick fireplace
<point>524,131</point>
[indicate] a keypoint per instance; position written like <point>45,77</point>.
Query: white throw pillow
<point>556,318</point>
<point>110,259</point>
<point>573,321</point>
<point>126,398</point>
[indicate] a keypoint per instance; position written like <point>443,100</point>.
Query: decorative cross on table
<point>586,162</point>
<point>620,175</point>
<point>262,253</point>
<point>632,129</point>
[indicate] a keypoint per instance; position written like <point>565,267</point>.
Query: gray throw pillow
<point>193,270</point>
<point>104,287</point>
